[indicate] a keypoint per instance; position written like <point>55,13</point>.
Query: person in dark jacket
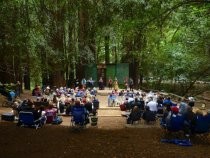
<point>135,115</point>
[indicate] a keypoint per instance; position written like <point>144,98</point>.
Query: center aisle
<point>108,117</point>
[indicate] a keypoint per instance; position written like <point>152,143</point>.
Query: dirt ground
<point>110,139</point>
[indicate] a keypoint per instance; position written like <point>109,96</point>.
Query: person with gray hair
<point>183,107</point>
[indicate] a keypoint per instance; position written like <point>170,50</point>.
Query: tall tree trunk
<point>107,52</point>
<point>26,79</point>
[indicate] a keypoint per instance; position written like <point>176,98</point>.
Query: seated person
<point>183,106</point>
<point>142,103</point>
<point>50,113</point>
<point>202,122</point>
<point>80,93</point>
<point>15,107</point>
<point>61,104</point>
<point>69,106</point>
<point>160,105</point>
<point>127,104</point>
<point>95,103</point>
<point>24,105</point>
<point>37,91</point>
<point>89,106</point>
<point>138,103</point>
<point>190,119</point>
<point>83,117</point>
<point>148,115</point>
<point>152,104</point>
<point>112,99</point>
<point>47,90</point>
<point>109,99</point>
<point>167,103</point>
<point>191,102</point>
<point>174,120</point>
<point>93,92</point>
<point>129,94</point>
<point>32,109</point>
<point>135,115</point>
<point>121,93</point>
<point>44,102</point>
<point>11,96</point>
<point>37,113</point>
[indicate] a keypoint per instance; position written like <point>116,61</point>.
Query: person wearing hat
<point>191,101</point>
<point>167,103</point>
<point>174,120</point>
<point>47,90</point>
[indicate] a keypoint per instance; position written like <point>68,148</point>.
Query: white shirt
<point>130,99</point>
<point>152,106</point>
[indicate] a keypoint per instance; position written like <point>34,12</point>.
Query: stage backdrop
<point>120,71</point>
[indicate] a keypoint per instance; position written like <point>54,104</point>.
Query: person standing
<point>83,83</point>
<point>110,83</point>
<point>91,82</point>
<point>115,85</point>
<point>18,89</point>
<point>126,83</point>
<point>131,84</point>
<point>101,84</point>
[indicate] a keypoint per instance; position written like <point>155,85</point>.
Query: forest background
<point>50,41</point>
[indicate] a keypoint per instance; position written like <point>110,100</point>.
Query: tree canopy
<point>48,42</point>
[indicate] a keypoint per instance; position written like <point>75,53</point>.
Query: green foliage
<point>166,39</point>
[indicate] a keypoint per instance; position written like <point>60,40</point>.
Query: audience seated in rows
<point>188,121</point>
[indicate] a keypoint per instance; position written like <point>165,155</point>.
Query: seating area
<point>159,111</point>
<point>52,105</point>
<point>139,110</point>
<point>139,105</point>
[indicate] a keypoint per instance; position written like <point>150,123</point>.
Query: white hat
<point>191,99</point>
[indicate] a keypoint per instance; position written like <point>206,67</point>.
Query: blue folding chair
<point>176,124</point>
<point>202,125</point>
<point>78,117</point>
<point>26,119</point>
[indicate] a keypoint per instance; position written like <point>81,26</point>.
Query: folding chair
<point>78,117</point>
<point>26,119</point>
